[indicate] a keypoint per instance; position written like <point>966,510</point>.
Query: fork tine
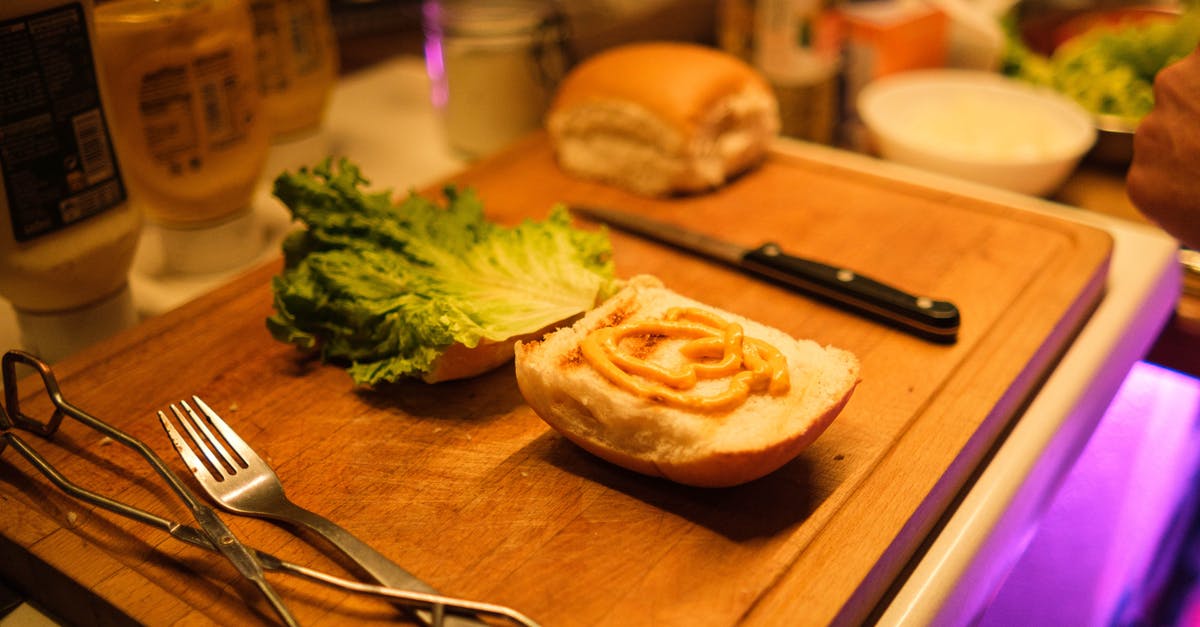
<point>238,458</point>
<point>215,466</point>
<point>239,446</point>
<point>185,451</point>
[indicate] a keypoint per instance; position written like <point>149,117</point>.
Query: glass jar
<point>795,44</point>
<point>493,66</point>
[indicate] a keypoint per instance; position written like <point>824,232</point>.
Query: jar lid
<point>485,18</point>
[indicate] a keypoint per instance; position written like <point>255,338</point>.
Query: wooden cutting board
<point>463,485</point>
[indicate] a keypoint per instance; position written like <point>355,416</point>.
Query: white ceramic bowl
<point>979,126</point>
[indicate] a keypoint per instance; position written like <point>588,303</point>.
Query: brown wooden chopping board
<point>465,487</point>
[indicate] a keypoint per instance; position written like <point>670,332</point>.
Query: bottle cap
<point>57,334</point>
<point>206,249</point>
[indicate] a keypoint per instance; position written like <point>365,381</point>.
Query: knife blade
<point>925,317</point>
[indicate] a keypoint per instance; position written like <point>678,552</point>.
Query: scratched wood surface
<point>463,485</point>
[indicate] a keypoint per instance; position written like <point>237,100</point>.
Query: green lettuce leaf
<point>386,288</point>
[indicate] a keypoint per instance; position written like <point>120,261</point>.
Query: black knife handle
<point>936,320</point>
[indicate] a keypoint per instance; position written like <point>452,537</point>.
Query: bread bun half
<point>660,118</point>
<point>672,434</point>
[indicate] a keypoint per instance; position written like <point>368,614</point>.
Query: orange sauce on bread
<point>714,349</point>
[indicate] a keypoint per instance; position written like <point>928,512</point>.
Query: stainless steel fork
<point>243,483</point>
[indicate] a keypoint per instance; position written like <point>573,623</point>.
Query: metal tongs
<point>212,534</point>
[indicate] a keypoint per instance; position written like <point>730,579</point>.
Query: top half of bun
<point>681,83</point>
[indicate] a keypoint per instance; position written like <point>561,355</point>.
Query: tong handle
<point>61,407</point>
<point>12,400</point>
<point>227,544</point>
<point>436,604</point>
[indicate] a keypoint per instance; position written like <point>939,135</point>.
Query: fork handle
<point>379,567</point>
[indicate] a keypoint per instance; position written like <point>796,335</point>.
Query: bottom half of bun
<point>683,443</point>
<point>704,466</point>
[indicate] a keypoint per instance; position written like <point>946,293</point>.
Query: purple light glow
<point>1097,542</point>
<point>435,64</point>
<point>436,69</point>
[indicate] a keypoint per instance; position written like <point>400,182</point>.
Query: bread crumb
<point>72,517</point>
<point>573,357</point>
<point>618,315</point>
<point>643,346</point>
<point>105,441</point>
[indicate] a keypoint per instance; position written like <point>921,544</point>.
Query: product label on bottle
<point>288,42</point>
<point>192,108</point>
<point>56,156</point>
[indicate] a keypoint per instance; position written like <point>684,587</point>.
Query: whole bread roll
<point>699,434</point>
<point>661,118</point>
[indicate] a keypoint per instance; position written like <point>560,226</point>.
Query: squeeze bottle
<point>67,231</point>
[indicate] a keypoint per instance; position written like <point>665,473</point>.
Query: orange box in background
<point>882,37</point>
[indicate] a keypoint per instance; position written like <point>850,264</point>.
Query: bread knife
<point>935,320</point>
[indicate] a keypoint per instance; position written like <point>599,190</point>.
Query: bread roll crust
<point>679,83</point>
<point>662,117</point>
<point>686,446</point>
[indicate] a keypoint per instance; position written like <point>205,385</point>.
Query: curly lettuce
<point>386,288</point>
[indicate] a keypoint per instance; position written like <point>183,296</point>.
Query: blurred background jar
<point>297,61</point>
<point>493,67</point>
<point>796,46</point>
<point>68,233</point>
<point>188,124</point>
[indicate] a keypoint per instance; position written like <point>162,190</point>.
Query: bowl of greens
<point>1104,59</point>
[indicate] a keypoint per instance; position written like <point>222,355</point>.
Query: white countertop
<point>382,119</point>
